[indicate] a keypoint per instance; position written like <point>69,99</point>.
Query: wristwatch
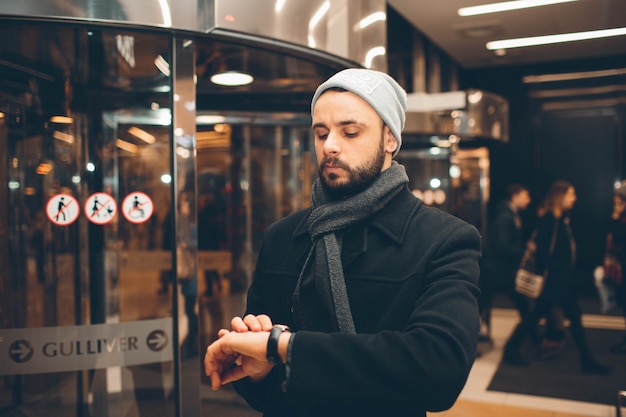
<point>272,343</point>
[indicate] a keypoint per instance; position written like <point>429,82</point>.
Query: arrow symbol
<point>21,351</point>
<point>157,340</point>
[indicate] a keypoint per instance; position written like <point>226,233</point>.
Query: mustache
<point>333,161</point>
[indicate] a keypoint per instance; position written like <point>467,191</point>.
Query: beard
<point>358,179</point>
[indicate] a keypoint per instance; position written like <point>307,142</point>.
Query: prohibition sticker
<point>100,208</point>
<point>137,207</point>
<point>62,209</point>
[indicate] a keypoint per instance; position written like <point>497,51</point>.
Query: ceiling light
<point>278,6</point>
<point>162,65</point>
<point>315,19</point>
<point>529,79</point>
<point>318,15</point>
<point>63,136</point>
<point>550,39</point>
<point>142,134</point>
<point>372,18</point>
<point>65,120</point>
<point>165,11</point>
<point>127,146</point>
<point>232,78</point>
<point>506,6</point>
<point>209,119</point>
<point>43,168</point>
<point>373,53</point>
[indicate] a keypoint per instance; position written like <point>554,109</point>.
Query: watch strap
<point>272,344</point>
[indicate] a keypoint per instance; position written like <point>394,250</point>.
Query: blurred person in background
<point>504,247</point>
<point>556,254</point>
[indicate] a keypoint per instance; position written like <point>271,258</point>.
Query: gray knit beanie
<point>378,89</point>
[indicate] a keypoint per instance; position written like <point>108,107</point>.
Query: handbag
<point>528,281</point>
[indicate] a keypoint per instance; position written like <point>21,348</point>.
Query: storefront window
<point>85,134</point>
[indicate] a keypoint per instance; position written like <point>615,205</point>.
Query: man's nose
<point>332,144</point>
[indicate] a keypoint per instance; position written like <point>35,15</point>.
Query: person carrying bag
<point>555,253</point>
<point>528,281</point>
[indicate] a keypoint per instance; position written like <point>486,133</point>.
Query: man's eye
<point>322,136</point>
<point>351,134</point>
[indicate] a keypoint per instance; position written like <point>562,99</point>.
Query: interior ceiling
<point>464,38</point>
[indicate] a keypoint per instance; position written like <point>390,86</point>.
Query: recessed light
<point>506,6</point>
<point>62,120</point>
<point>232,78</point>
<point>551,39</point>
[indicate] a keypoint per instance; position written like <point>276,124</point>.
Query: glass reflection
<point>69,96</point>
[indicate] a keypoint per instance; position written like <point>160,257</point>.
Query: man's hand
<point>251,323</point>
<point>235,356</point>
<point>224,363</point>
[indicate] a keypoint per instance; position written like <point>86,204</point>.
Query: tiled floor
<point>476,401</point>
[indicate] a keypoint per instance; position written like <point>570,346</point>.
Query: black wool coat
<point>411,274</point>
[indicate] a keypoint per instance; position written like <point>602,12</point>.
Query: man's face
<point>351,144</point>
<point>521,200</point>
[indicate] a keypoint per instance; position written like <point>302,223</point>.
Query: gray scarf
<point>328,217</point>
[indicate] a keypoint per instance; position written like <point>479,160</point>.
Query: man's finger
<point>265,321</point>
<point>238,325</point>
<point>252,323</point>
<point>234,373</point>
<point>216,381</point>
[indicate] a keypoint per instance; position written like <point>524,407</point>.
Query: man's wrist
<point>283,345</point>
<point>277,344</point>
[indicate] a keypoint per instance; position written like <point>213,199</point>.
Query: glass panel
<point>85,137</point>
<point>255,165</point>
<point>471,187</point>
<point>429,175</point>
<point>452,179</point>
<point>249,176</point>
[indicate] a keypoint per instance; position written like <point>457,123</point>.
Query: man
<point>379,291</point>
<point>503,252</point>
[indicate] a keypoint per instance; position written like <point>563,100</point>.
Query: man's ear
<point>391,144</point>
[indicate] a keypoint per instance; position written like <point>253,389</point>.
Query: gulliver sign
<point>73,348</point>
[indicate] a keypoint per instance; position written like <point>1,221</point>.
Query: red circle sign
<point>137,207</point>
<point>62,209</point>
<point>100,208</point>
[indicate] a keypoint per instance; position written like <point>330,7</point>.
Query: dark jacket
<point>560,261</point>
<point>503,251</point>
<point>411,274</point>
